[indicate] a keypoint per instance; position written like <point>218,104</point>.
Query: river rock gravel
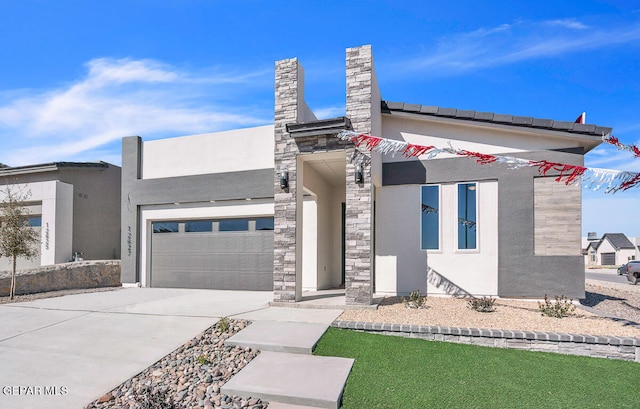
<point>189,377</point>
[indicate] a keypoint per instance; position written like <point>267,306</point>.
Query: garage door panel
<point>228,280</point>
<point>213,260</point>
<point>608,259</point>
<point>218,243</point>
<point>221,262</point>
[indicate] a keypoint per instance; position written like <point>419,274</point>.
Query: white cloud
<point>109,71</point>
<point>122,97</point>
<point>511,43</point>
<point>568,23</point>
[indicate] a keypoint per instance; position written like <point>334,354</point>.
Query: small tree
<point>17,239</point>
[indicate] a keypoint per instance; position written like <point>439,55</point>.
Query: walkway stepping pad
<point>279,336</point>
<point>294,379</point>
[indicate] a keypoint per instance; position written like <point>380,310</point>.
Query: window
<point>430,235</point>
<point>264,223</point>
<point>165,227</point>
<point>234,225</point>
<point>467,217</point>
<point>35,221</point>
<point>198,226</point>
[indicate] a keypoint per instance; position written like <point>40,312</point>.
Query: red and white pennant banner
<point>612,140</point>
<point>593,178</point>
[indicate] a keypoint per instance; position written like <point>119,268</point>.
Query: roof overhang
<point>587,142</point>
<point>587,136</point>
<point>320,127</point>
<point>49,167</point>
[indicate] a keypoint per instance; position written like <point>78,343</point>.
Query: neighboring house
<point>610,250</point>
<point>289,207</point>
<point>75,205</point>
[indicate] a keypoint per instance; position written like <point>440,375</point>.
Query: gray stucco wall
<point>96,207</point>
<point>520,272</point>
<point>138,192</point>
<point>96,210</point>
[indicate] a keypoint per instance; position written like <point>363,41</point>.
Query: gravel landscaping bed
<point>618,300</point>
<point>191,376</point>
<point>513,314</point>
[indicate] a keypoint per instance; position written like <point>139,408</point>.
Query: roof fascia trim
<point>591,140</point>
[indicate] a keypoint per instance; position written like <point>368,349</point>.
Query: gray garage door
<point>608,259</point>
<point>225,254</point>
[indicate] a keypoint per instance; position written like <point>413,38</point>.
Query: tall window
<point>430,225</point>
<point>467,216</point>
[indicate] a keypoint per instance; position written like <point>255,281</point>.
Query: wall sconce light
<point>284,178</point>
<point>359,174</point>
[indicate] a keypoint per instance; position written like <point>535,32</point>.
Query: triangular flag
<point>582,118</point>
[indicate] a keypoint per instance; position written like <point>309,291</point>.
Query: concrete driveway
<point>65,352</point>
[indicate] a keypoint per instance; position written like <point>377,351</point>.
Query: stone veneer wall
<point>359,253</point>
<point>289,109</point>
<point>66,276</point>
<point>284,235</point>
<point>627,349</point>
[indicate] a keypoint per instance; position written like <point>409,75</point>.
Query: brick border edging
<point>622,348</point>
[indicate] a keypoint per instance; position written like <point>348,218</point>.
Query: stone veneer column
<point>286,283</point>
<point>359,198</point>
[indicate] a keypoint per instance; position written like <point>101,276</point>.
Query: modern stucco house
<point>288,206</point>
<point>75,206</point>
<point>611,249</point>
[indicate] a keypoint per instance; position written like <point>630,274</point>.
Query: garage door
<point>608,259</point>
<point>224,254</point>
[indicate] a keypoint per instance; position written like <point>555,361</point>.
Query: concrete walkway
<point>65,352</point>
<point>285,372</point>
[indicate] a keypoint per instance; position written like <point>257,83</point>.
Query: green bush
<point>560,307</point>
<point>203,360</point>
<point>415,300</point>
<point>224,324</point>
<point>484,304</point>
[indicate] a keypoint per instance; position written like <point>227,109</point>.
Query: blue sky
<point>77,76</point>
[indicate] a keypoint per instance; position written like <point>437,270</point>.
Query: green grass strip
<point>395,372</point>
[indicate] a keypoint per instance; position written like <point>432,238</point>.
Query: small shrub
<point>560,307</point>
<point>484,304</point>
<point>224,324</point>
<point>415,300</point>
<point>203,360</point>
<point>147,398</point>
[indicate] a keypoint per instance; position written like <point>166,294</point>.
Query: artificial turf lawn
<point>395,372</point>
